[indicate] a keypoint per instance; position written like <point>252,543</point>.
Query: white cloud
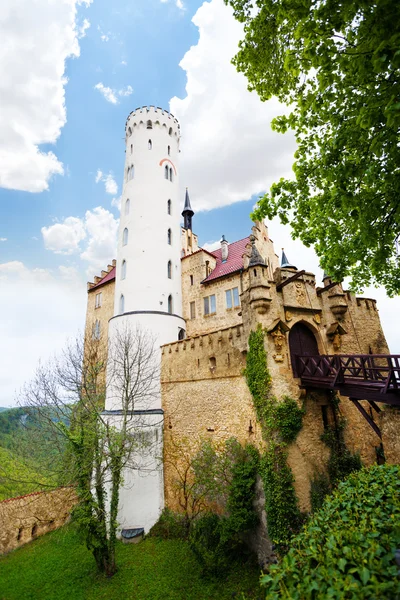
<point>82,29</point>
<point>126,91</point>
<point>110,184</point>
<point>210,246</point>
<point>64,238</point>
<point>124,63</point>
<point>116,202</point>
<point>108,93</point>
<point>105,37</point>
<point>36,39</point>
<point>3,239</point>
<point>42,309</point>
<point>222,122</point>
<point>98,230</point>
<point>111,95</point>
<point>180,4</point>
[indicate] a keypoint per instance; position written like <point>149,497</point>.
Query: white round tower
<point>147,285</point>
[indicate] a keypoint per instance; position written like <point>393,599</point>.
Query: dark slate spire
<point>285,264</point>
<point>187,212</point>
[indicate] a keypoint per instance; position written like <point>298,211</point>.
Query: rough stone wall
<point>189,241</point>
<point>102,313</point>
<point>27,517</point>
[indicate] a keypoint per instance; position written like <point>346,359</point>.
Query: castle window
<point>169,269</point>
<point>96,330</point>
<point>150,144</point>
<point>123,269</point>
<point>255,272</point>
<point>213,362</point>
<point>169,150</point>
<point>131,148</point>
<point>170,131</point>
<point>166,171</point>
<point>132,171</point>
<point>34,531</point>
<point>169,207</point>
<point>193,310</point>
<point>129,131</point>
<point>128,172</point>
<point>191,280</point>
<point>170,306</point>
<point>121,304</point>
<point>98,299</point>
<point>232,298</point>
<point>170,174</point>
<point>127,206</point>
<point>149,125</point>
<point>169,237</point>
<point>125,237</point>
<point>210,307</point>
<point>181,334</point>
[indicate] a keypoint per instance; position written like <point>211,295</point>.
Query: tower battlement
<point>154,115</point>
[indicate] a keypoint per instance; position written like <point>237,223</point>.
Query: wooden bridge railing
<point>379,370</point>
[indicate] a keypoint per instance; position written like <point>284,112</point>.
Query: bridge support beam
<point>367,417</point>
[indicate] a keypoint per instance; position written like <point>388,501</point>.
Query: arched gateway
<point>302,342</point>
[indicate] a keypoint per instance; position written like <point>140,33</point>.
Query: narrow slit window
<point>169,207</point>
<point>193,310</point>
<point>166,172</point>
<point>127,206</point>
<point>170,305</point>
<point>170,174</point>
<point>169,150</point>
<point>122,304</point>
<point>169,237</point>
<point>149,144</point>
<point>131,148</point>
<point>170,131</point>
<point>191,280</point>
<point>169,269</point>
<point>125,236</point>
<point>149,125</point>
<point>123,269</point>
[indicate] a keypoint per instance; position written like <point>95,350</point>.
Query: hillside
<point>57,566</point>
<point>30,456</point>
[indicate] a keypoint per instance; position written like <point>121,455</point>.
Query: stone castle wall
<point>27,517</point>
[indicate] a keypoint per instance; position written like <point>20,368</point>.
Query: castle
<point>202,306</point>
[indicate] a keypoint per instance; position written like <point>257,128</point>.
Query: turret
<point>187,213</point>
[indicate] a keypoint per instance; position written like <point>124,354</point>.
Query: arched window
<point>127,206</point>
<point>132,172</point>
<point>170,307</point>
<point>125,237</point>
<point>121,304</point>
<point>123,269</point>
<point>166,172</point>
<point>169,150</point>
<point>169,268</point>
<point>170,131</point>
<point>169,237</point>
<point>129,131</point>
<point>131,148</point>
<point>128,174</point>
<point>149,125</point>
<point>150,145</point>
<point>170,174</point>
<point>169,207</point>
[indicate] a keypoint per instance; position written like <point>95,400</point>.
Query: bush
<point>320,488</point>
<point>170,526</point>
<point>347,549</point>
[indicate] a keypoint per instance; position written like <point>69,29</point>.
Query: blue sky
<point>72,72</point>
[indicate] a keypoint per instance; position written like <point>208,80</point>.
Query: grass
<point>58,566</point>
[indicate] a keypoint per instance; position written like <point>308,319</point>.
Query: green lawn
<point>57,566</point>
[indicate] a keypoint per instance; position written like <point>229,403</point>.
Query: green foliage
<point>347,549</point>
<point>58,567</point>
<point>170,526</point>
<point>337,66</point>
<point>283,514</point>
<point>216,540</point>
<point>280,422</point>
<point>320,488</point>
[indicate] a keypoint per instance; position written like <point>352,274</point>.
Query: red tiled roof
<point>109,277</point>
<point>234,262</point>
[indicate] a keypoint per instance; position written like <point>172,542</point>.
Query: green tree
<point>98,451</point>
<point>337,66</point>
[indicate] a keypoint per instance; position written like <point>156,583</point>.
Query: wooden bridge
<point>371,377</point>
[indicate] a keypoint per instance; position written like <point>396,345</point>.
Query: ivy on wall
<point>280,424</point>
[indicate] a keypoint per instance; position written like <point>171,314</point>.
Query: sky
<point>70,73</point>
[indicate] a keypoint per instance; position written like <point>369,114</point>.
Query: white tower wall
<point>151,289</point>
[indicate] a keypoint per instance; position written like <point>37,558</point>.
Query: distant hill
<point>3,408</point>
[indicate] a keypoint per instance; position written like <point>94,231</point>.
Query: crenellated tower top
<point>152,117</point>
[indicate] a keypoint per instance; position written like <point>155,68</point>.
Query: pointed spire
<point>255,256</point>
<point>285,264</point>
<point>187,212</point>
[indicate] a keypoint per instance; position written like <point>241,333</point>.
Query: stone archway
<point>302,342</point>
